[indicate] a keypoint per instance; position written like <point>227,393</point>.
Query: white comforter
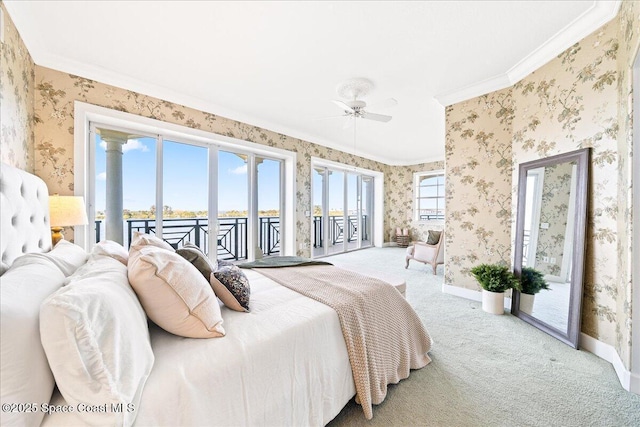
<point>284,363</point>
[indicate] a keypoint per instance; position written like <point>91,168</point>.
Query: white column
<point>114,203</point>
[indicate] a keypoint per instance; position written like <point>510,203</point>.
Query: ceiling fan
<point>354,89</point>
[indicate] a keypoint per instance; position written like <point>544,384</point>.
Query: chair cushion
<point>434,237</point>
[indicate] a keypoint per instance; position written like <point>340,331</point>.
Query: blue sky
<point>336,191</point>
<point>185,177</point>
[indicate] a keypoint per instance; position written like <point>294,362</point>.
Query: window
<point>227,196</point>
<point>429,196</point>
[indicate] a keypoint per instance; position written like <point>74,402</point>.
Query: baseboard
<point>469,294</point>
<point>634,383</point>
<point>629,381</point>
<point>462,292</point>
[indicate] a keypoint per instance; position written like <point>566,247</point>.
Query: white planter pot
<point>526,303</point>
<point>493,302</point>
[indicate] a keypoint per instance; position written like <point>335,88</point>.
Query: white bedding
<point>283,363</point>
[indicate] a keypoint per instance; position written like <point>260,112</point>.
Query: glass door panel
<point>185,192</point>
<point>233,205</point>
<point>352,226</point>
<point>318,214</point>
<point>269,203</point>
<point>337,229</point>
<point>367,211</point>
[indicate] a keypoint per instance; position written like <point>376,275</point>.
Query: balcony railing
<point>232,233</point>
<point>337,231</point>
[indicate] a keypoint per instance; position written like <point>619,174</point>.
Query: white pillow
<point>174,294</point>
<point>111,249</point>
<point>141,240</point>
<point>96,338</point>
<point>65,255</point>
<point>25,376</point>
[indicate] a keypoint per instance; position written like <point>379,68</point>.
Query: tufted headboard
<point>24,206</point>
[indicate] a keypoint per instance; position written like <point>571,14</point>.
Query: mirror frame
<point>582,159</point>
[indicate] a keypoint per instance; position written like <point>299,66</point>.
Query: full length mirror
<point>550,243</point>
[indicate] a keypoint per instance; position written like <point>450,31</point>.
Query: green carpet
<point>488,370</point>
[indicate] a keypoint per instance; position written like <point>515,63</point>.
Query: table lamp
<point>65,211</point>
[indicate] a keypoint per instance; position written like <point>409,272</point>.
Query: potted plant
<point>531,282</point>
<point>495,279</point>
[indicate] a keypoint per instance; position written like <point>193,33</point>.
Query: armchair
<point>427,254</point>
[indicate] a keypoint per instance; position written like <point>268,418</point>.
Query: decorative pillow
<point>195,256</point>
<point>26,376</point>
<point>96,338</point>
<point>434,237</point>
<point>174,294</point>
<point>111,249</point>
<point>140,240</point>
<point>66,256</point>
<point>232,287</point>
<point>224,263</point>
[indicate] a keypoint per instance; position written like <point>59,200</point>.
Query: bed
<point>285,362</point>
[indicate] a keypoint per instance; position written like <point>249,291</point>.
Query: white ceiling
<point>277,64</point>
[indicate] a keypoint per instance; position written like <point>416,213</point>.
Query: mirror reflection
<point>547,243</point>
<point>549,248</point>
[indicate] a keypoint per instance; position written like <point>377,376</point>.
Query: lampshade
<point>67,210</point>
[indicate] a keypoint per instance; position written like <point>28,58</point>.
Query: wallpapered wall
<point>579,99</point>
<point>478,185</point>
<point>17,74</point>
<point>629,44</point>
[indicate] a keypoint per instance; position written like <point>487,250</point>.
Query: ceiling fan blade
<point>376,117</point>
<point>386,103</point>
<point>344,106</point>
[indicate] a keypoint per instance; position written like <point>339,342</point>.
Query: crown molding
<point>599,14</point>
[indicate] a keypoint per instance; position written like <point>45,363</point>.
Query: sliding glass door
<point>366,211</point>
<point>343,211</point>
<point>167,187</point>
<point>269,205</point>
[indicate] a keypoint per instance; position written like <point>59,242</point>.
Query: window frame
<point>440,198</point>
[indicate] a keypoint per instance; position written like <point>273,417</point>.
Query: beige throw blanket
<point>384,336</point>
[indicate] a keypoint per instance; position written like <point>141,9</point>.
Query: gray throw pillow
<point>224,263</point>
<point>235,282</point>
<point>434,237</point>
<point>195,256</point>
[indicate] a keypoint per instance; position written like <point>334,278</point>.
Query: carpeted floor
<point>488,370</point>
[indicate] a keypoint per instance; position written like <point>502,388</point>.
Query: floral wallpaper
<point>579,99</point>
<point>478,185</point>
<point>554,211</point>
<point>17,77</point>
<point>628,27</point>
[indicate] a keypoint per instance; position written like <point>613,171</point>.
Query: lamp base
<point>56,235</point>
